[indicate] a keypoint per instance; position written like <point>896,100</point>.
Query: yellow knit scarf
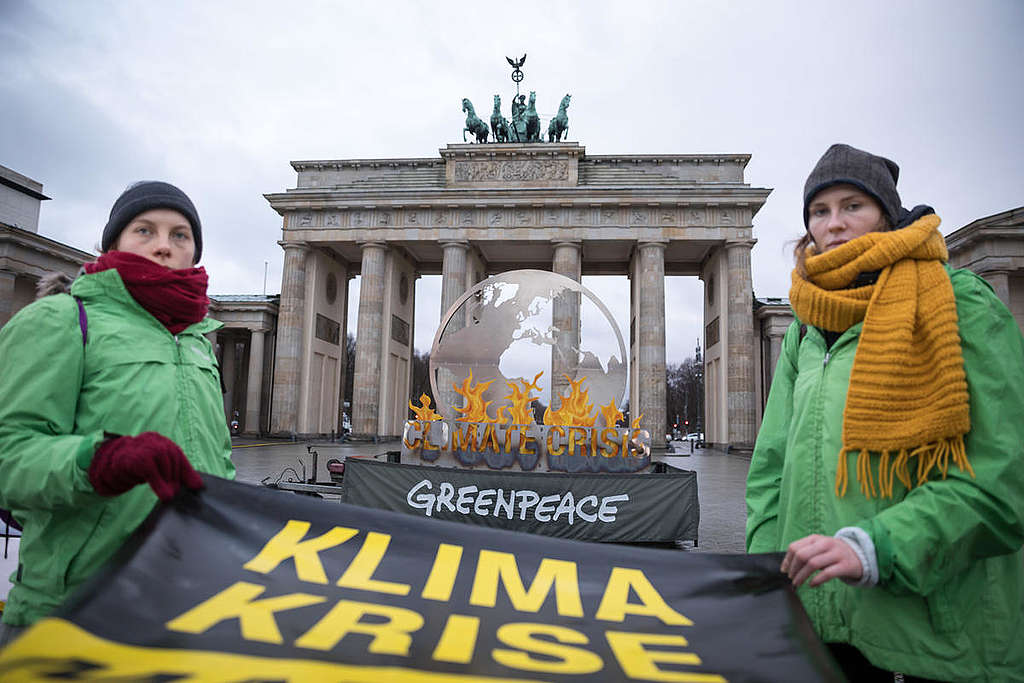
<point>908,392</point>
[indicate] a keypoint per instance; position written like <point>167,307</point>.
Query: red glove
<point>149,458</point>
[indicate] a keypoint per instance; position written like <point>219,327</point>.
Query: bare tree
<point>421,378</point>
<point>350,365</point>
<point>684,393</point>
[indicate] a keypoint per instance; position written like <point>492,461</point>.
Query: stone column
<point>453,279</point>
<point>741,416</point>
<point>7,279</point>
<point>650,336</point>
<point>1000,281</point>
<point>366,383</point>
<point>565,314</point>
<point>453,285</point>
<point>254,388</point>
<point>227,372</point>
<point>288,363</point>
<point>774,351</point>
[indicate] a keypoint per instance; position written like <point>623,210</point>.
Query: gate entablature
<point>504,194</point>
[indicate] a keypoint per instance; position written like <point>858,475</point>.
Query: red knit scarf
<point>177,298</point>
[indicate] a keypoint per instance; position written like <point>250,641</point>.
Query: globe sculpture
<point>528,367</point>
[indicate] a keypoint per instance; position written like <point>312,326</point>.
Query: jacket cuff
<point>881,542</point>
<point>860,542</point>
<point>87,448</point>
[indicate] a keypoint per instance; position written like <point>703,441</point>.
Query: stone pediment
<point>512,165</point>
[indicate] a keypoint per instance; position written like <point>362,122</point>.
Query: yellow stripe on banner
<point>54,646</point>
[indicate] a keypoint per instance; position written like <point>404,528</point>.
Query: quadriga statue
<point>499,124</point>
<point>532,119</point>
<point>473,123</point>
<point>560,124</point>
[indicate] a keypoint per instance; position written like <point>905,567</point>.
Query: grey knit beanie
<point>146,195</point>
<point>845,165</point>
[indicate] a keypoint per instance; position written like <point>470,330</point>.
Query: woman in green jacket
<point>110,387</point>
<point>891,454</point>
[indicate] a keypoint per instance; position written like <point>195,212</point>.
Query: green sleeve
<point>41,359</point>
<point>764,479</point>
<point>945,525</point>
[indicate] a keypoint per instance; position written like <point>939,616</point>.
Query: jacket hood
<point>53,283</point>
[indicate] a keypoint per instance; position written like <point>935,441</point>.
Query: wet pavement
<point>721,479</point>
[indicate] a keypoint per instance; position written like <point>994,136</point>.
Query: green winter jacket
<point>949,604</point>
<point>57,398</point>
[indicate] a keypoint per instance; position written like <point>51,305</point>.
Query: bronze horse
<point>559,124</point>
<point>532,119</point>
<point>473,123</point>
<point>499,124</point>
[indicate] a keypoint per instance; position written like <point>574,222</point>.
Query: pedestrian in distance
<point>104,388</point>
<point>890,462</point>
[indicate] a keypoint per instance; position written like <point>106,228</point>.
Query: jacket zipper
<point>819,601</point>
<point>182,401</point>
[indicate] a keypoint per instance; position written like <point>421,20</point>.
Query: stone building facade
<point>993,247</point>
<point>245,350</point>
<point>25,255</point>
<point>478,210</point>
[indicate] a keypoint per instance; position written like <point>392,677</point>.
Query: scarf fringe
<point>895,464</point>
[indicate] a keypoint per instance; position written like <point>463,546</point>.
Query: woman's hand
<point>149,458</point>
<point>831,557</point>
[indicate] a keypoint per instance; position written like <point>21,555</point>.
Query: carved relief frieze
<point>610,216</point>
<point>581,216</point>
<point>359,218</point>
<point>385,218</point>
<point>639,216</point>
<point>552,216</point>
<point>696,217</point>
<point>667,215</point>
<point>333,220</point>
<point>495,218</point>
<point>523,216</point>
<point>524,170</point>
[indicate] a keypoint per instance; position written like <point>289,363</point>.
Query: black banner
<point>617,508</point>
<point>242,583</point>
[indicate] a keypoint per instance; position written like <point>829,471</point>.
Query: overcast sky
<point>218,97</point>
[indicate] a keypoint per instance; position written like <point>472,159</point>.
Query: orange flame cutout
<point>636,427</point>
<point>521,414</point>
<point>575,408</point>
<point>476,411</point>
<point>424,411</point>
<point>611,414</point>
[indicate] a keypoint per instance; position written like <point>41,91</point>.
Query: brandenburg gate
<point>481,209</point>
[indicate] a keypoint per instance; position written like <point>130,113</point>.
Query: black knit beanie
<point>146,195</point>
<point>845,165</point>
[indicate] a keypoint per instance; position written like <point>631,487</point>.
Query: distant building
<point>25,256</point>
<point>772,317</point>
<point>245,350</point>
<point>993,247</point>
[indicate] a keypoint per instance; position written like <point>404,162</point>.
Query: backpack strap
<point>83,320</point>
